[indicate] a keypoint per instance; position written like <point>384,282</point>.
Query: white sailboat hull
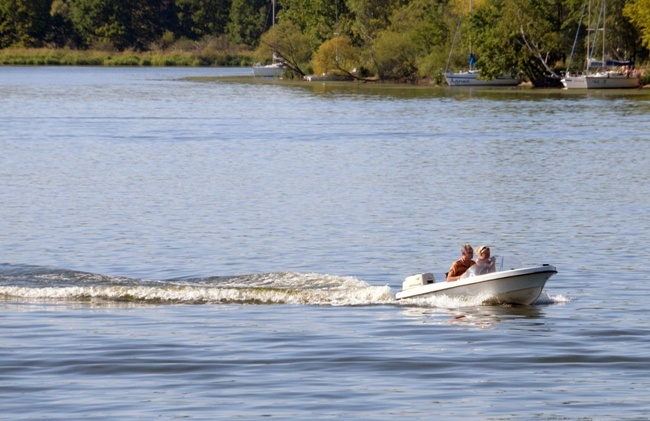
<point>603,80</point>
<point>611,80</point>
<point>470,78</point>
<point>270,70</point>
<point>517,286</point>
<point>574,82</point>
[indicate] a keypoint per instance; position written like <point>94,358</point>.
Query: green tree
<point>248,21</point>
<point>62,31</point>
<point>624,40</point>
<point>394,56</point>
<point>371,16</point>
<point>199,18</point>
<point>121,24</point>
<point>524,35</point>
<point>638,11</point>
<point>320,19</point>
<point>23,22</point>
<point>412,44</point>
<point>288,43</point>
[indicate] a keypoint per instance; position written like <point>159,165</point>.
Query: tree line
<point>404,40</point>
<point>128,24</point>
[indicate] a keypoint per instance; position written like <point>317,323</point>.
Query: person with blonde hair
<point>484,263</point>
<point>460,266</point>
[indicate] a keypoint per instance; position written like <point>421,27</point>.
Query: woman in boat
<point>484,263</point>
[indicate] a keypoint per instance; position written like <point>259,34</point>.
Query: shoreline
<point>525,87</point>
<point>204,58</point>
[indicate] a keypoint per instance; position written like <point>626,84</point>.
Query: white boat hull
<point>471,79</point>
<point>574,82</point>
<point>271,70</point>
<point>605,80</point>
<point>611,80</point>
<point>517,286</point>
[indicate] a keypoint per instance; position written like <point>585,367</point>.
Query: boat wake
<point>37,283</point>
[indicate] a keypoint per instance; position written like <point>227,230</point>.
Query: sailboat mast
<point>604,31</point>
<point>588,37</point>
<point>471,60</point>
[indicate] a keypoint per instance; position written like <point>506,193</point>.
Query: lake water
<point>206,249</point>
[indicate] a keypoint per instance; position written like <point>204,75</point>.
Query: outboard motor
<point>418,280</point>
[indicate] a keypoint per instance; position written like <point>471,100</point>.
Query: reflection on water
<point>400,91</point>
<point>483,317</point>
<point>20,304</point>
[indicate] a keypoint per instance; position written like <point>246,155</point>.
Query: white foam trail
<point>262,288</point>
<point>442,301</point>
<point>350,292</point>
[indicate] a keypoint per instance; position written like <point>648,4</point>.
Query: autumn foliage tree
<point>336,57</point>
<point>638,11</point>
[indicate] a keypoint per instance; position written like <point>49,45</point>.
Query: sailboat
<point>604,73</point>
<point>276,68</point>
<point>470,76</point>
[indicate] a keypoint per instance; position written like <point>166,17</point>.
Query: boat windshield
<point>507,263</point>
<point>501,263</point>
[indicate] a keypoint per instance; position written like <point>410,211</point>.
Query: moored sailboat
<point>276,68</point>
<point>470,77</point>
<point>605,73</point>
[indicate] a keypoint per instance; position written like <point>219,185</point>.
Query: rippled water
<point>203,249</point>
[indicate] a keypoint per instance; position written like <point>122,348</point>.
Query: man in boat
<point>460,266</point>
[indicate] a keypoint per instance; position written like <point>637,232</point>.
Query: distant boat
<point>604,73</point>
<point>277,66</point>
<point>470,77</point>
<point>275,69</point>
<point>622,78</point>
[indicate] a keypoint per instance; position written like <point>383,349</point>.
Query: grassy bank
<point>67,57</point>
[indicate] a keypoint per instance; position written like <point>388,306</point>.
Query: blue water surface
<point>128,194</point>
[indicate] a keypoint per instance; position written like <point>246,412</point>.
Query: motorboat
<point>522,285</point>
